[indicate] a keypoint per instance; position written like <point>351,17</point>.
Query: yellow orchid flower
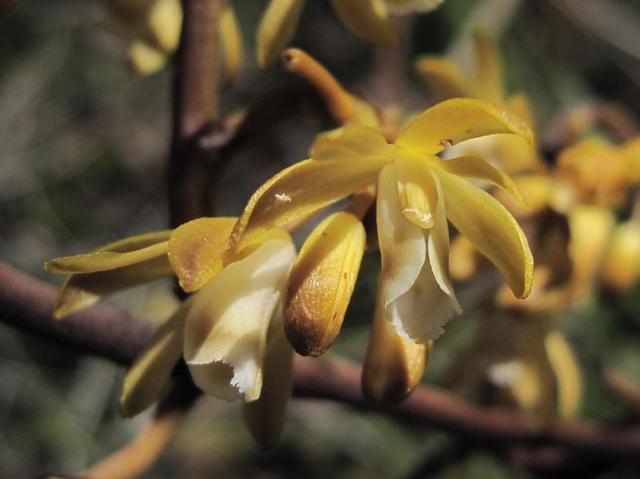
<point>536,371</point>
<point>230,332</point>
<point>594,171</point>
<point>368,19</point>
<point>445,80</point>
<point>155,27</point>
<point>417,193</point>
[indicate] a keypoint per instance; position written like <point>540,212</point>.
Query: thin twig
<point>195,110</point>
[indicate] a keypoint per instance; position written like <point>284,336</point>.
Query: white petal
<point>402,244</point>
<point>438,247</point>
<point>421,313</point>
<point>226,330</point>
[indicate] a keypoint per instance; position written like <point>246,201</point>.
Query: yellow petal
<point>104,260</point>
<point>276,29</point>
<point>82,290</point>
<point>85,289</point>
<point>442,78</point>
<point>145,59</point>
<point>265,416</point>
<point>491,229</point>
<point>303,189</point>
<point>353,142</point>
<point>590,228</point>
<point>489,70</point>
<point>438,247</point>
<point>226,328</point>
<point>402,244</point>
<point>567,372</point>
<point>520,105</point>
<point>393,366</point>
<point>479,169</point>
<point>416,189</point>
<point>404,7</point>
<point>456,120</point>
<point>197,250</point>
<point>149,375</point>
<point>322,281</point>
<point>368,19</point>
<point>164,21</point>
<point>622,264</point>
<point>231,42</point>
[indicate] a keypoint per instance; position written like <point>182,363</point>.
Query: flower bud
<point>394,365</point>
<point>322,281</point>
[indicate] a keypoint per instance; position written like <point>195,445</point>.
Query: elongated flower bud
<point>394,365</point>
<point>322,281</point>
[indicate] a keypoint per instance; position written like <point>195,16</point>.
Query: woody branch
<point>26,303</point>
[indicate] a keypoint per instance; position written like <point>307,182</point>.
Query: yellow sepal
<point>491,228</point>
<point>303,189</point>
<point>567,372</point>
<point>489,69</point>
<point>456,120</point>
<point>149,375</point>
<point>197,250</point>
<point>113,267</point>
<point>443,78</point>
<point>230,42</point>
<point>368,19</point>
<point>480,169</point>
<point>276,29</point>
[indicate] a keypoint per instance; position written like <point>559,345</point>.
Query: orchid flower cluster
<point>255,300</point>
<point>470,161</point>
<point>573,203</point>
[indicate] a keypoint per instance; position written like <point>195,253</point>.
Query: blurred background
<point>83,150</point>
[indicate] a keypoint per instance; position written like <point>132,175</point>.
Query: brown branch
<point>195,110</point>
<point>27,303</point>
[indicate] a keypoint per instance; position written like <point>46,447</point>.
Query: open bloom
<point>417,193</point>
<point>229,332</point>
<point>369,19</point>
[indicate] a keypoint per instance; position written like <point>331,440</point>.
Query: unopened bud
<point>322,281</point>
<point>394,365</point>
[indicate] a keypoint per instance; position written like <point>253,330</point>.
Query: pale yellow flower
<point>230,332</point>
<point>417,193</point>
